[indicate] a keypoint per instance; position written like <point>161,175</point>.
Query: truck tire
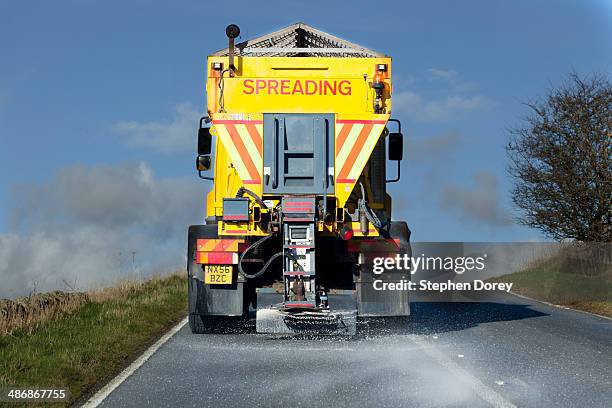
<point>196,324</point>
<point>199,324</point>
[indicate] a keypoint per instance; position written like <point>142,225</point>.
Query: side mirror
<point>203,163</point>
<point>204,141</point>
<point>396,146</point>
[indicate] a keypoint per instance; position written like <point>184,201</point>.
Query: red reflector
<point>346,233</point>
<point>217,258</point>
<point>221,258</point>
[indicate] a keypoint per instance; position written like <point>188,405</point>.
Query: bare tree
<point>560,160</point>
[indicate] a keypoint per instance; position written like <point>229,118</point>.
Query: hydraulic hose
<point>363,207</point>
<point>265,267</point>
<point>242,191</point>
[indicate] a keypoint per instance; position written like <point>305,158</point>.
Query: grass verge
<point>561,281</point>
<point>89,346</point>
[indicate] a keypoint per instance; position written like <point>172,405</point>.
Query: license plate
<point>218,274</point>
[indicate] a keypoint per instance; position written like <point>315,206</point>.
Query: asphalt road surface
<point>511,352</point>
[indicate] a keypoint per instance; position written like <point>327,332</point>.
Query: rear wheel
<point>196,324</point>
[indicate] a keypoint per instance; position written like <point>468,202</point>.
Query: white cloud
<point>437,110</point>
<point>169,136</point>
<point>444,74</point>
<point>456,98</point>
<point>82,226</point>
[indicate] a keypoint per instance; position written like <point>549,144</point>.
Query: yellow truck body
<point>299,125</point>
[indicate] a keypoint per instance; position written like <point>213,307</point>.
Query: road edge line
<point>560,306</point>
<point>105,391</point>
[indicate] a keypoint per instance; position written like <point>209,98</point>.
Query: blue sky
<point>83,83</point>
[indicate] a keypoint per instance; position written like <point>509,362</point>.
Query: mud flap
<point>372,302</point>
<point>204,299</point>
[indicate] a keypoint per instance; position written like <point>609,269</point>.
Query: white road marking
<point>560,306</point>
<point>115,382</point>
<point>486,393</point>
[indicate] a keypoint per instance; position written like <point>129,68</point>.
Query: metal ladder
<point>298,224</point>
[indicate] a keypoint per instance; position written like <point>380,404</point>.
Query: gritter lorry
<point>300,122</point>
